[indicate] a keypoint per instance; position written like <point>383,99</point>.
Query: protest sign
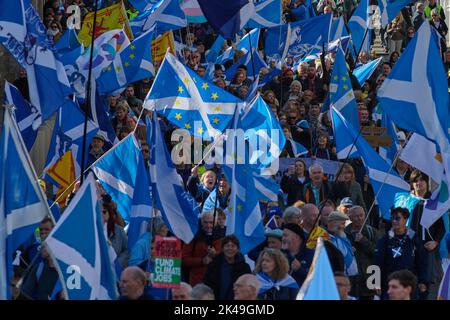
<point>167,273</point>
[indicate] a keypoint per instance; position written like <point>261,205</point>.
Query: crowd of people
<point>343,211</point>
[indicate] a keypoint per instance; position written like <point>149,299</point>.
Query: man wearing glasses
<point>401,249</point>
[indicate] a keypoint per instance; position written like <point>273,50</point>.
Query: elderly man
<point>202,292</point>
<point>246,287</point>
<point>318,189</point>
<point>183,292</point>
<point>132,284</point>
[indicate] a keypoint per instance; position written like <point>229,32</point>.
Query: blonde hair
<point>123,105</point>
<point>281,263</point>
<point>348,167</point>
<point>299,204</point>
<point>205,173</point>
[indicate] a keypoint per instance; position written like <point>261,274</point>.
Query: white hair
<point>315,165</point>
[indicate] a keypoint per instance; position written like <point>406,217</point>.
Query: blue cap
<point>303,124</point>
<point>346,202</point>
<point>274,211</point>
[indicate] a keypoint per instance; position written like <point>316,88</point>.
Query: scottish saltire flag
<point>439,202</point>
<point>22,203</point>
<point>338,29</point>
<point>266,187</point>
<point>142,5</point>
<point>296,39</point>
<point>99,116</point>
<point>68,135</point>
<point>134,63</point>
<point>192,10</point>
<point>76,78</point>
<point>320,283</point>
<point>444,287</point>
<point>24,35</point>
<point>68,41</point>
<point>164,16</point>
<point>315,52</point>
<point>385,182</point>
<point>267,14</point>
<point>271,224</point>
<point>298,149</point>
<point>389,9</point>
<point>245,44</point>
<point>190,102</point>
<point>227,17</point>
<point>415,94</point>
<point>389,153</point>
<point>360,26</point>
<point>253,90</point>
<point>252,60</point>
<point>213,52</point>
<point>364,72</point>
<point>341,92</point>
<point>259,122</point>
<point>117,171</point>
<point>78,239</point>
<point>269,76</point>
<point>177,207</point>
<point>406,200</point>
<point>24,113</point>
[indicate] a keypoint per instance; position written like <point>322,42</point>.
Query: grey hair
<point>253,281</point>
<point>350,211</point>
<point>314,165</point>
<point>290,212</point>
<point>202,292</point>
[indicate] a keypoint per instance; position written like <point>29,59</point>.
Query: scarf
<point>268,283</point>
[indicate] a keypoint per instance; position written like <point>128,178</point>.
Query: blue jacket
<point>222,202</point>
<point>305,257</point>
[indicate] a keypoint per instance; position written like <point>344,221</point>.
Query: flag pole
<point>397,155</point>
<point>87,101</point>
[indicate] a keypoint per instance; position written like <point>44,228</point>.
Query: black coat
<point>213,275</point>
<point>293,188</point>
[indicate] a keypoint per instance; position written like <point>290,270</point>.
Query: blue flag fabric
<point>389,153</point>
<point>98,114</point>
<point>252,60</point>
<point>24,113</point>
<point>245,44</point>
<point>385,182</point>
<point>79,239</point>
<point>341,92</point>
<point>267,14</point>
<point>68,135</point>
<point>360,25</point>
<point>213,52</point>
<point>415,94</point>
<point>67,42</point>
<point>227,18</point>
<point>364,72</point>
<point>24,35</point>
<point>190,102</point>
<point>163,16</point>
<point>22,203</point>
<point>389,9</point>
<point>134,63</point>
<point>142,5</point>
<point>338,29</point>
<point>177,206</point>
<point>320,283</point>
<point>408,201</point>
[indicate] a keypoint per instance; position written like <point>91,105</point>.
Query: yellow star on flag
<point>132,47</point>
<point>119,68</point>
<point>350,94</point>
<point>180,89</point>
<point>177,102</point>
<point>344,78</point>
<point>345,87</point>
<point>215,96</point>
<point>217,109</point>
<point>239,207</point>
<point>186,80</point>
<point>132,56</point>
<point>216,120</point>
<point>335,78</point>
<point>126,64</point>
<point>200,130</point>
<point>187,126</point>
<point>178,116</point>
<point>205,85</point>
<point>109,68</point>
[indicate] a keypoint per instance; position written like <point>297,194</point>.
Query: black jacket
<point>223,288</point>
<point>293,188</point>
<point>437,230</point>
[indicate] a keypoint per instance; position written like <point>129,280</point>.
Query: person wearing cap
<point>96,148</point>
<point>364,239</point>
<point>299,257</point>
<point>345,205</point>
<point>336,230</point>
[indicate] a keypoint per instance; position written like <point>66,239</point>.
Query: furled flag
<point>132,64</point>
<point>22,202</point>
<point>164,16</point>
<point>385,182</point>
<point>360,25</point>
<point>319,283</point>
<point>24,114</point>
<point>297,38</point>
<point>190,102</point>
<point>415,93</point>
<point>341,92</point>
<point>79,241</point>
<point>267,14</point>
<point>227,18</point>
<point>24,35</point>
<point>364,72</point>
<point>177,206</point>
<point>110,18</point>
<point>389,9</point>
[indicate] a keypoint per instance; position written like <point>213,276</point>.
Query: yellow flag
<point>159,47</point>
<point>314,235</point>
<point>62,172</point>
<point>109,18</point>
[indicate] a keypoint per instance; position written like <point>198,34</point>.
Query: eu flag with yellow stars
<point>341,92</point>
<point>189,101</point>
<point>134,63</point>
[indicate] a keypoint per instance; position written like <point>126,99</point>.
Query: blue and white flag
<point>245,44</point>
<point>142,5</point>
<point>117,171</point>
<point>99,115</point>
<point>24,35</point>
<point>338,29</point>
<point>22,202</point>
<point>389,153</point>
<point>297,148</point>
<point>213,52</point>
<point>134,63</point>
<point>227,18</point>
<point>164,16</point>
<point>389,9</point>
<point>67,42</point>
<point>267,282</point>
<point>190,102</point>
<point>415,94</point>
<point>316,52</point>
<point>24,113</point>
<point>320,283</point>
<point>252,60</point>
<point>298,38</point>
<point>68,135</point>
<point>267,14</point>
<point>385,182</point>
<point>177,206</point>
<point>364,72</point>
<point>341,92</point>
<point>266,187</point>
<point>360,25</point>
<point>79,239</point>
